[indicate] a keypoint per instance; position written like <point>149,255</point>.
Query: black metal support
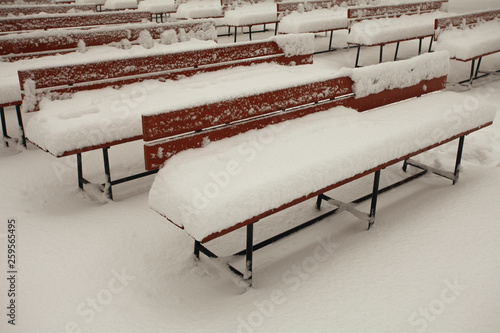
<point>396,53</point>
<point>331,39</point>
<point>381,53</point>
<point>459,158</point>
<point>276,29</point>
<point>107,186</point>
<point>196,249</point>
<point>4,127</point>
<point>20,123</point>
<point>357,56</point>
<point>373,207</point>
<point>235,33</point>
<point>249,255</point>
<point>420,45</point>
<point>430,44</point>
<point>250,32</point>
<point>79,167</point>
<point>477,68</point>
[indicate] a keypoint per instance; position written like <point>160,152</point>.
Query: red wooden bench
<point>365,28</point>
<point>473,22</point>
<point>26,23</point>
<point>229,188</point>
<point>32,45</point>
<point>33,2</point>
<point>65,80</point>
<point>17,10</point>
<point>285,8</point>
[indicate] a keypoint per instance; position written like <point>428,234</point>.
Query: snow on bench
<point>380,25</point>
<point>249,15</point>
<point>469,37</point>
<point>54,21</point>
<point>100,115</point>
<point>18,10</point>
<point>313,17</point>
<point>261,153</point>
<point>159,7</point>
<point>120,4</point>
<point>42,43</point>
<point>194,9</point>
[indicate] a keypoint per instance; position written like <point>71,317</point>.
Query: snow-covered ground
<point>431,263</point>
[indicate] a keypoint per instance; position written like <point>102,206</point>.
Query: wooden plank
<point>466,19</point>
<point>49,9</point>
<point>112,69</point>
<point>71,20</point>
<point>18,44</point>
<point>164,125</point>
<point>370,12</point>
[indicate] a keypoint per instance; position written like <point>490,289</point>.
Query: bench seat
<point>211,190</point>
<point>470,43</point>
<point>389,30</point>
<point>318,20</point>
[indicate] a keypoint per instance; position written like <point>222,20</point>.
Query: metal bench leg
<point>472,70</point>
<point>79,167</point>
<point>4,127</point>
<point>109,191</point>
<point>276,28</point>
<point>196,250</point>
<point>430,44</point>
<point>235,33</point>
<point>250,32</point>
<point>459,158</point>
<point>249,256</point>
<point>331,38</point>
<point>357,56</point>
<point>373,208</point>
<point>20,123</point>
<point>381,53</point>
<point>396,53</point>
<point>420,46</point>
<point>477,68</point>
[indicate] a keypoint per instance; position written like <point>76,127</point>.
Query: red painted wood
<point>49,9</point>
<point>331,187</point>
<point>71,20</point>
<point>227,111</point>
<point>51,41</point>
<point>179,122</point>
<point>106,70</point>
<point>467,19</point>
<point>370,12</point>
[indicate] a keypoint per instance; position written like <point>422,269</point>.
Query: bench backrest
<point>464,20</point>
<point>39,2</point>
<point>170,132</point>
<point>31,45</point>
<point>12,24</point>
<point>94,75</point>
<point>49,9</point>
<point>360,13</point>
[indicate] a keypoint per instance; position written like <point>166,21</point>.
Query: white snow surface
<point>199,9</point>
<point>158,6</point>
<point>470,42</point>
<point>120,4</point>
<point>376,31</point>
<point>250,14</point>
<point>315,20</point>
<point>429,264</point>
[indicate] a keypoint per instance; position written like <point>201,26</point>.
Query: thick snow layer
<point>264,169</point>
<point>9,82</point>
<point>376,78</point>
<point>120,4</point>
<point>469,43</point>
<point>250,14</point>
<point>105,115</point>
<point>315,20</point>
<point>383,30</point>
<point>199,9</point>
<point>158,6</point>
<point>97,2</point>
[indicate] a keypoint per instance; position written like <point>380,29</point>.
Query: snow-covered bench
<point>469,37</point>
<point>16,10</point>
<point>278,148</point>
<point>101,116</point>
<point>312,17</point>
<point>54,21</point>
<point>158,8</point>
<point>249,15</point>
<point>41,43</point>
<point>381,25</point>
